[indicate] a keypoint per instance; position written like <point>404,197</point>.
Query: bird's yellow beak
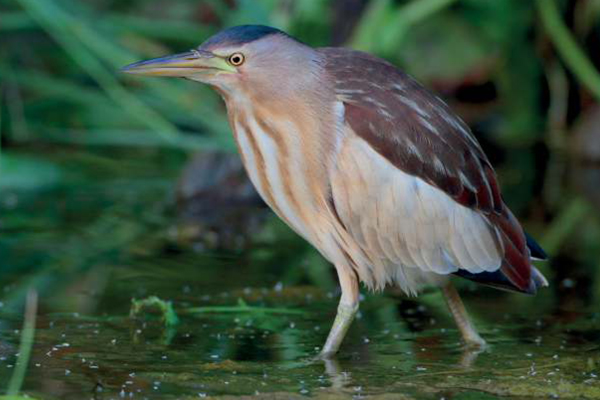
<point>181,65</point>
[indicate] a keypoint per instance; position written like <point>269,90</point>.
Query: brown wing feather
<point>419,134</point>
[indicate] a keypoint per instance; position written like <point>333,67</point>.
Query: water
<point>251,318</point>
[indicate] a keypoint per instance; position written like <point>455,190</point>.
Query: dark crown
<point>242,34</point>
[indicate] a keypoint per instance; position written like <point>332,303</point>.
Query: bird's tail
<point>538,279</point>
<point>499,280</point>
<point>537,253</point>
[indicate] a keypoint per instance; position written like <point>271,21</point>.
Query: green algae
<point>165,308</point>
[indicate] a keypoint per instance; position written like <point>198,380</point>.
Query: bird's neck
<point>287,153</point>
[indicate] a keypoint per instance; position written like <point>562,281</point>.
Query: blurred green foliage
<point>87,154</point>
<point>61,58</point>
<point>522,74</point>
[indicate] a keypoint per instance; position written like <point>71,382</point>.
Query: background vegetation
<point>91,161</point>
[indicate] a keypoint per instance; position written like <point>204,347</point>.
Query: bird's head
<point>244,58</point>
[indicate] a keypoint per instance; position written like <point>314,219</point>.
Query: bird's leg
<point>347,309</point>
<point>455,304</point>
<point>338,378</point>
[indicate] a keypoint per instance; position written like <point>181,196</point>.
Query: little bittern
<point>366,164</point>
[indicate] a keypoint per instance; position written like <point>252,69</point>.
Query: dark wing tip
<point>499,280</point>
<point>496,279</point>
<point>535,249</point>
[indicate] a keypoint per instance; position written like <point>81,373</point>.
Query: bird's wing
<point>456,221</point>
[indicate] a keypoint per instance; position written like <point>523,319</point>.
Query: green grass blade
<point>567,47</point>
<point>56,22</point>
<point>1,105</point>
<point>366,33</point>
<point>563,226</point>
<point>106,49</point>
<point>239,309</point>
<point>409,15</point>
<point>169,29</point>
<point>13,21</point>
<point>27,334</point>
<point>123,137</point>
<point>383,27</point>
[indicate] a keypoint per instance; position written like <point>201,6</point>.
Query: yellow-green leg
<point>457,308</point>
<point>347,309</point>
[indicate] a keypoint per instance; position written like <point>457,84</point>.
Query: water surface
<point>251,316</point>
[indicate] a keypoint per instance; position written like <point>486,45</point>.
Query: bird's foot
<point>324,356</point>
<point>472,349</point>
<point>474,342</point>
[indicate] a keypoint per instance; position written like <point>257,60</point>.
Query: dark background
<point>521,73</point>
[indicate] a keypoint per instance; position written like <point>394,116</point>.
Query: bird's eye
<point>236,59</point>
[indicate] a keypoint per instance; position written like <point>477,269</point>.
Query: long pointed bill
<point>181,65</point>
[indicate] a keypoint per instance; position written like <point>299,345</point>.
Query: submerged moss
<point>168,315</point>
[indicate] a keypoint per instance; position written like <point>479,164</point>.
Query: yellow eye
<point>236,59</point>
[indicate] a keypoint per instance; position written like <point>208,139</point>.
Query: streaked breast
<point>265,153</point>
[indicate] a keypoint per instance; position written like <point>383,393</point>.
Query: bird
<point>366,164</point>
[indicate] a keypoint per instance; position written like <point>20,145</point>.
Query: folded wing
<point>430,198</point>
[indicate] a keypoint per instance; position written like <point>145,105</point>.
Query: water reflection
<point>222,353</point>
<point>253,317</point>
